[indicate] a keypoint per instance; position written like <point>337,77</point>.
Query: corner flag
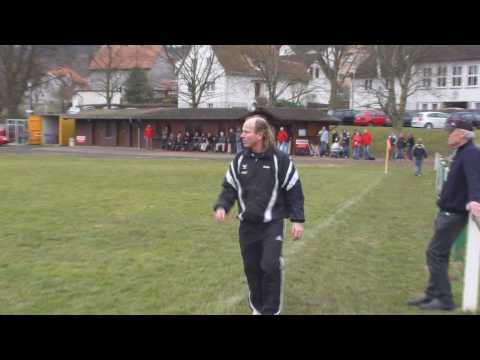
<point>387,154</point>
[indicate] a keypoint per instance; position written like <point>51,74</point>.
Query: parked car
<point>88,108</point>
<point>408,117</point>
<point>73,110</point>
<point>370,117</point>
<point>473,117</point>
<point>346,116</point>
<point>3,137</point>
<point>430,120</point>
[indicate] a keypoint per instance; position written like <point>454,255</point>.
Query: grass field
<point>128,236</point>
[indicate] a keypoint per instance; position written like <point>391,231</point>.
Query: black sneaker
<point>419,300</point>
<point>436,304</point>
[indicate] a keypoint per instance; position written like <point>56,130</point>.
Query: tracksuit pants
<point>261,247</point>
<point>447,227</point>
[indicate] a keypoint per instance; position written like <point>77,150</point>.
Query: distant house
<point>446,77</point>
<point>236,82</point>
<point>113,64</point>
<point>319,83</point>
<point>56,90</point>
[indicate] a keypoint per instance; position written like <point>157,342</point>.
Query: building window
<point>456,76</point>
<point>434,106</point>
<point>427,78</point>
<point>317,73</point>
<point>473,75</point>
<point>257,89</point>
<point>210,86</point>
<point>442,76</point>
<point>210,105</point>
<point>424,106</point>
<point>368,84</point>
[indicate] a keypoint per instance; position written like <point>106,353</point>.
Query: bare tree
<point>108,80</point>
<point>336,63</point>
<point>397,64</point>
<point>196,70</point>
<point>21,67</point>
<point>277,73</point>
<point>176,56</point>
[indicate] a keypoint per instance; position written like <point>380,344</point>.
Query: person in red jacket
<point>356,144</point>
<point>367,139</point>
<point>148,135</point>
<point>282,140</point>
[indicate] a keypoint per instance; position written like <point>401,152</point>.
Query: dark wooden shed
<point>125,127</point>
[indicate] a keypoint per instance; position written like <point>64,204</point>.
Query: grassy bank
<point>434,139</point>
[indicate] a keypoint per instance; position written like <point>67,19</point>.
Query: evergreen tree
<point>138,89</point>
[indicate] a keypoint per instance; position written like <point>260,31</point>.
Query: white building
<point>84,98</point>
<point>448,77</point>
<point>234,79</point>
<point>320,85</point>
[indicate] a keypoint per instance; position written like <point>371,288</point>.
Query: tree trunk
<point>333,103</point>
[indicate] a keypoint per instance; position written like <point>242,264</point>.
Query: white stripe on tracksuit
<point>267,217</point>
<point>238,186</point>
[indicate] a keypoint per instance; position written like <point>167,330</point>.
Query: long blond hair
<point>262,126</point>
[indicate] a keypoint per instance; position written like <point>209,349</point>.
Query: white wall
<point>83,98</point>
<point>209,97</point>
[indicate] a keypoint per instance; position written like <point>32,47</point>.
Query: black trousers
<point>261,247</point>
<point>447,227</point>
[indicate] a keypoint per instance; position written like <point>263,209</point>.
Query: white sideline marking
<point>310,233</point>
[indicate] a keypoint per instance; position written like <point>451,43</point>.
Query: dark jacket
<point>419,152</point>
<point>411,141</point>
<point>463,181</point>
<point>267,187</point>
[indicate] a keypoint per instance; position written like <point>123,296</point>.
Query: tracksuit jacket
<point>267,187</point>
<point>463,181</point>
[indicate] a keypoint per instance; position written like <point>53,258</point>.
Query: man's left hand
<point>297,231</point>
<point>474,208</point>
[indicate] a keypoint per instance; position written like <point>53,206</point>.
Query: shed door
<point>123,133</point>
<point>35,128</point>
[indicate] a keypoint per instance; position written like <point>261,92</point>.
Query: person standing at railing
<point>460,194</point>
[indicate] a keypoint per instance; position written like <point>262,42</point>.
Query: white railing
<point>472,265</point>
<point>441,169</point>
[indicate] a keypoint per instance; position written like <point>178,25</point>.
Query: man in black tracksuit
<point>267,187</point>
<point>460,194</point>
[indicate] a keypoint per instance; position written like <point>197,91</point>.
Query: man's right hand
<point>220,215</point>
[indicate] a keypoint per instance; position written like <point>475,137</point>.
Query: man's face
<point>455,138</point>
<point>249,137</point>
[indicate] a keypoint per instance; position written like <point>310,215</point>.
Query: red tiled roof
<point>62,71</point>
<point>124,57</point>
